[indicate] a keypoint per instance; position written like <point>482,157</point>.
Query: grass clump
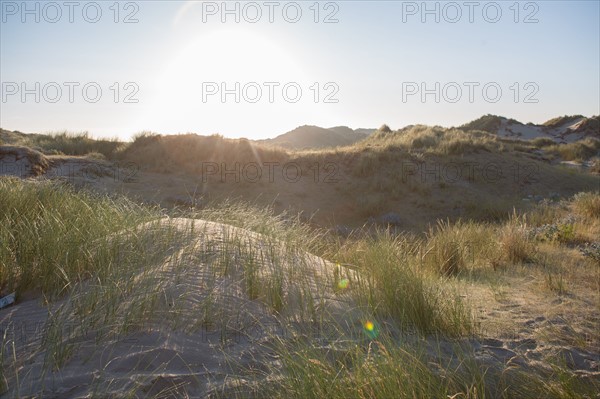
<point>587,204</point>
<point>515,243</point>
<point>64,143</point>
<point>384,129</point>
<point>578,151</point>
<point>450,248</point>
<point>541,142</point>
<point>52,236</point>
<point>488,123</point>
<point>491,210</point>
<point>436,140</point>
<point>371,370</point>
<point>391,283</point>
<point>74,144</point>
<point>384,368</point>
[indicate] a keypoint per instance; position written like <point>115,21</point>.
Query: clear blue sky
<point>178,54</point>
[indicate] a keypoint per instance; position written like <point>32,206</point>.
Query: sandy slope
<point>202,327</point>
<point>203,333</point>
<point>22,162</point>
<point>568,132</point>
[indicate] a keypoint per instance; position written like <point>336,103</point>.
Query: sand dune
<point>201,325</point>
<point>190,326</point>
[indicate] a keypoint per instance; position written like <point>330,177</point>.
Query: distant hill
<point>563,129</point>
<point>576,127</point>
<point>311,137</point>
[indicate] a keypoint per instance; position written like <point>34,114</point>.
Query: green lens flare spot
<point>343,283</point>
<point>371,329</point>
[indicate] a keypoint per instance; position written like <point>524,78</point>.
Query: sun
<point>220,58</point>
<point>231,54</point>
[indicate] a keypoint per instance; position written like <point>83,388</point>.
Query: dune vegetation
<point>419,262</point>
<point>388,315</point>
<point>63,143</point>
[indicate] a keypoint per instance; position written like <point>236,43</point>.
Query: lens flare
<point>371,329</point>
<point>343,283</point>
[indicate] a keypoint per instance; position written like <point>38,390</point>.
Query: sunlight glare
<point>225,55</point>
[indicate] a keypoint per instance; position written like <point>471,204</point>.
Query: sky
<point>259,69</point>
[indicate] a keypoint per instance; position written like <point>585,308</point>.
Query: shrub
<point>591,251</point>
